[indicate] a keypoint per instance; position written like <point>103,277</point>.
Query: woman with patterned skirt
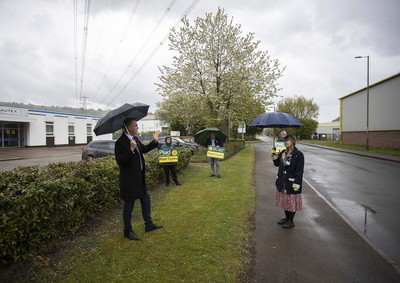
<point>289,180</point>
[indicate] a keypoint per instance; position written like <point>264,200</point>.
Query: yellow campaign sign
<point>168,159</point>
<point>214,152</point>
<point>168,156</point>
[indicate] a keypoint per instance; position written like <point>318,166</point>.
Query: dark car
<point>98,148</point>
<point>177,142</point>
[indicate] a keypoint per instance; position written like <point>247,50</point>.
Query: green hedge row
<point>42,203</point>
<point>231,147</point>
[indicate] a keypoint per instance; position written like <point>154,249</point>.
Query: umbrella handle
<point>127,132</point>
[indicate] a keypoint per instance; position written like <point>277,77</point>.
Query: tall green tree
<point>300,107</point>
<point>219,75</point>
<point>306,110</point>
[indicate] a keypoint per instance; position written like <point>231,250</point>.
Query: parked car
<point>98,148</point>
<point>177,142</point>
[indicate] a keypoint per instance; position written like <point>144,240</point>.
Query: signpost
<point>242,129</point>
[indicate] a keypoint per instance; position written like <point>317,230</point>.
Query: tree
<point>300,107</point>
<point>310,126</point>
<point>219,75</point>
<point>306,110</point>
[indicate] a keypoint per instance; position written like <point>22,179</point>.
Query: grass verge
<point>205,237</point>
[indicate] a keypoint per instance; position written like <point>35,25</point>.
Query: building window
<point>71,131</point>
<point>49,129</point>
<point>89,129</point>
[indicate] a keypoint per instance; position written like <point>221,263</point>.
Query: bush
<point>41,203</point>
<point>231,148</point>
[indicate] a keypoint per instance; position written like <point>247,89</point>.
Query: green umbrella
<point>201,136</point>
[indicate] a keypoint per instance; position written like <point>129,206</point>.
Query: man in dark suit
<point>129,156</point>
<point>214,141</point>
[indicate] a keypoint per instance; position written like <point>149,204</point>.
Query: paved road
<point>321,248</point>
<point>11,158</point>
<point>365,190</point>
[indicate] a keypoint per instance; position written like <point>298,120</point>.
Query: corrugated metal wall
<point>354,112</point>
<point>384,108</point>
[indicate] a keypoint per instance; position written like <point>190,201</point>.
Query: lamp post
<point>358,57</point>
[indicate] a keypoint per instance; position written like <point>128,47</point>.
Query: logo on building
<point>10,111</point>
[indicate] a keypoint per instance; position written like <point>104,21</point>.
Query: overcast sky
<point>316,40</point>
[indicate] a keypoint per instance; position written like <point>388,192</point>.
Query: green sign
<point>215,152</point>
<point>168,156</point>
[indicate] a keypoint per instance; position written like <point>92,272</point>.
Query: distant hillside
<point>65,109</point>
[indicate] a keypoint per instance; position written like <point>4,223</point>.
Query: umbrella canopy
<point>201,136</point>
<point>276,120</point>
<point>114,119</point>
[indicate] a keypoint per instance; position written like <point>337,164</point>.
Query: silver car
<point>98,148</point>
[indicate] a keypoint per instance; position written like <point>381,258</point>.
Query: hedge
<point>231,147</point>
<point>42,203</point>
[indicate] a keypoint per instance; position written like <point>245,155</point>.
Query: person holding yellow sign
<point>214,141</point>
<point>169,167</point>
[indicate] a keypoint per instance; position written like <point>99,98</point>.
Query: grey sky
<point>316,40</point>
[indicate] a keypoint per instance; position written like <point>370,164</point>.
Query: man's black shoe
<point>178,184</point>
<point>212,175</point>
<point>218,176</point>
<point>152,227</point>
<point>131,236</point>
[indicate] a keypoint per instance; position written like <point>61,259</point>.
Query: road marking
<point>369,242</point>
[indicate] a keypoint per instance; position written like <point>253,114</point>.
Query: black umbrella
<point>201,136</point>
<point>276,120</point>
<point>114,119</point>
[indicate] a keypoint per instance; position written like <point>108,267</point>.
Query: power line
<point>85,33</point>
<point>100,36</point>
<point>169,7</point>
<point>185,13</point>
<point>117,49</point>
<point>75,12</point>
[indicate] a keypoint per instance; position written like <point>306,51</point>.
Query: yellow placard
<point>168,159</point>
<point>215,154</point>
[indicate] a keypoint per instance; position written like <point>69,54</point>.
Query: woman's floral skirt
<point>288,202</point>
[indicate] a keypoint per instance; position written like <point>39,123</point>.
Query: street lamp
<point>358,57</point>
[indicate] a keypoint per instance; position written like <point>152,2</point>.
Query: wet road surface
<point>322,247</point>
<point>364,190</point>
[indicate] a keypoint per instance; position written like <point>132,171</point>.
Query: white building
<point>151,124</point>
<point>329,130</point>
<point>21,127</point>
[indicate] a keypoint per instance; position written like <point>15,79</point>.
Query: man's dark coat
<point>131,178</point>
<point>218,142</point>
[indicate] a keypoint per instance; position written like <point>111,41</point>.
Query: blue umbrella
<point>114,119</point>
<point>276,120</point>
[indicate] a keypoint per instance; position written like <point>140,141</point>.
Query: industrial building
<point>328,130</point>
<point>21,127</point>
<point>371,115</point>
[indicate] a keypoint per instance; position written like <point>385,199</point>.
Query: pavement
<point>322,247</point>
